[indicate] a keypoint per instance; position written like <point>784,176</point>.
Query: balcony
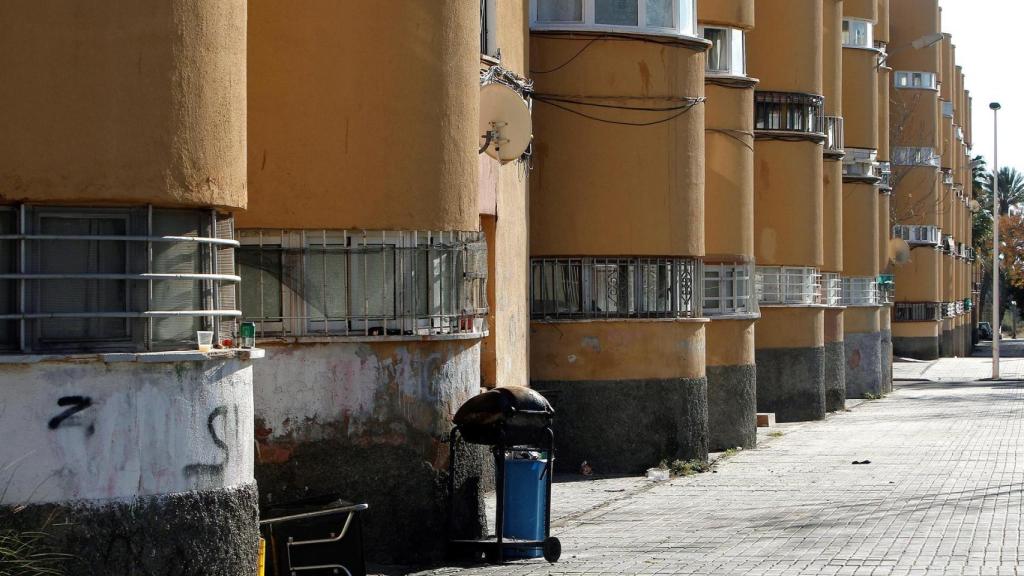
<point>834,136</point>
<point>860,291</point>
<point>949,310</point>
<point>788,286</point>
<point>917,312</point>
<point>664,17</point>
<point>947,177</point>
<point>859,165</point>
<point>831,290</point>
<point>915,156</point>
<point>789,116</point>
<point>885,177</point>
<point>918,235</point>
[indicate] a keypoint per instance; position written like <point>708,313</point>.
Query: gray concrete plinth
<point>791,383</point>
<point>918,348</point>
<point>835,376</point>
<point>627,426</point>
<point>886,360</point>
<point>864,365</point>
<point>213,532</point>
<point>732,407</point>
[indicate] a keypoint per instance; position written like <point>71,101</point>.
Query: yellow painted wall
<point>729,195</point>
<point>862,321</point>
<point>884,233</point>
<point>785,49</point>
<point>910,20</point>
<point>788,203</point>
<point>730,342</point>
<point>860,229</point>
<point>732,13</point>
<point>504,353</point>
<point>862,9</point>
<point>884,82</point>
<point>139,102</point>
<point>832,216</point>
<point>918,280</point>
<point>363,117</point>
<point>791,328</point>
<point>882,26</point>
<point>604,189</point>
<point>916,196</point>
<point>617,350</point>
<point>834,326</point>
<point>860,98</point>
<point>916,329</point>
<point>832,56</point>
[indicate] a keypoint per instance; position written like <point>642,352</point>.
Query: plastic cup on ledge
<point>205,340</point>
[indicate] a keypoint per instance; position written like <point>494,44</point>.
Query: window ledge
<point>822,306</point>
<point>717,317</point>
<point>141,357</point>
<point>614,320</point>
<point>864,48</point>
<point>694,42</point>
<point>288,340</point>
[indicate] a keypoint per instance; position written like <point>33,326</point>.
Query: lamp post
<point>995,240</point>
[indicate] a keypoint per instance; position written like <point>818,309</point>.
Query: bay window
<point>858,33</point>
<point>787,285</point>
<point>788,112</point>
<point>727,54</point>
<point>860,291</point>
<point>907,79</point>
<point>915,156</point>
<point>728,290</point>
<point>676,17</point>
<point>860,163</point>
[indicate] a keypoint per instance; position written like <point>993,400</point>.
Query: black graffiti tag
<point>76,403</point>
<point>213,470</point>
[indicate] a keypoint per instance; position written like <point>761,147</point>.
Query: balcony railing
<point>835,136</point>
<point>947,177</point>
<point>949,310</point>
<point>729,290</point>
<point>789,112</point>
<point>788,285</point>
<point>860,163</point>
<point>917,312</point>
<point>918,235</point>
<point>588,288</point>
<point>886,289</point>
<point>860,291</point>
<point>885,176</point>
<point>831,290</point>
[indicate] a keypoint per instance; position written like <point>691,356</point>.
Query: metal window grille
<point>835,136</point>
<point>82,279</point>
<point>915,156</point>
<point>885,175</point>
<point>788,112</point>
<point>831,289</point>
<point>363,283</point>
<point>947,177</point>
<point>787,285</point>
<point>917,312</point>
<point>729,289</point>
<point>860,291</point>
<point>918,235</point>
<point>580,288</point>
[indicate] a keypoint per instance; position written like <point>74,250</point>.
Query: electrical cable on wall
<point>560,101</point>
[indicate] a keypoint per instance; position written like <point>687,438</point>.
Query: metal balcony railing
<point>885,176</point>
<point>917,312</point>
<point>835,136</point>
<point>860,291</point>
<point>918,235</point>
<point>788,285</point>
<point>831,290</point>
<point>789,112</point>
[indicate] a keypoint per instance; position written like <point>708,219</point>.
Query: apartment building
<point>122,160</point>
<point>729,299</point>
<point>784,52</point>
<point>931,180</point>
<point>617,230</point>
<point>383,258</point>
<point>886,266</point>
<point>861,179</point>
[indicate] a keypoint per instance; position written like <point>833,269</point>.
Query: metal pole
<point>995,240</point>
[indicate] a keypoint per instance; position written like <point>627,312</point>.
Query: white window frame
<point>788,286</point>
<point>915,80</point>
<point>865,31</point>
<point>947,109</point>
<point>917,234</point>
<point>735,51</point>
<point>489,29</point>
<point>684,14</point>
<point>860,163</point>
<point>915,156</point>
<point>831,290</point>
<point>860,291</point>
<point>738,301</point>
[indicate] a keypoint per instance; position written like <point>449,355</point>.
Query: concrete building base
<point>732,407</point>
<point>791,383</point>
<point>199,532</point>
<point>864,365</point>
<point>835,376</point>
<point>627,426</point>
<point>886,360</point>
<point>947,344</point>
<point>918,348</point>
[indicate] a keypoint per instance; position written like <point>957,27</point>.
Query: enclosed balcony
<point>834,136</point>
<point>861,291</point>
<point>915,80</point>
<point>660,17</point>
<point>861,165</point>
<point>918,235</point>
<point>916,156</point>
<point>917,312</point>
<point>788,286</point>
<point>728,53</point>
<point>729,290</point>
<point>831,289</point>
<point>785,115</point>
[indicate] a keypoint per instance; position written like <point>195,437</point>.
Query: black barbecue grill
<point>509,419</point>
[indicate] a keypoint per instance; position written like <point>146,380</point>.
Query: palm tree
<point>1011,189</point>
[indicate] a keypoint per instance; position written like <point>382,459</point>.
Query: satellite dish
<point>506,126</point>
<point>899,251</point>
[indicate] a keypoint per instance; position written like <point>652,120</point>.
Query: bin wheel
<point>552,549</point>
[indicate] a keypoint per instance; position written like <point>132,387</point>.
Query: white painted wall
<point>303,391</point>
<point>95,430</point>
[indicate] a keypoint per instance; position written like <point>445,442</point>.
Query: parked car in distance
<point>984,331</point>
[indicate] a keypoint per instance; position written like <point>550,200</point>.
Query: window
<point>576,288</point>
<point>834,134</point>
<point>905,79</point>
<point>858,33</point>
<point>831,289</point>
<point>915,156</point>
<point>790,112</point>
<point>860,291</point>
<point>787,285</point>
<point>114,279</point>
<point>918,235</point>
<point>489,28</point>
<point>917,312</point>
<point>885,175</point>
<point>728,53</point>
<point>677,17</point>
<point>947,109</point>
<point>859,163</point>
<point>360,283</point>
<point>728,289</point>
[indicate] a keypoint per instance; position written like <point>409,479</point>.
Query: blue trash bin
<point>525,501</point>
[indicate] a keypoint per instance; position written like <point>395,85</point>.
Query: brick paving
<point>942,495</point>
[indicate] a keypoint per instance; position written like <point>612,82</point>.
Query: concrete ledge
<point>150,357</point>
<point>918,348</point>
<point>864,365</point>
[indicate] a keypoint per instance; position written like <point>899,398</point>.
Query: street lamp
<point>919,44</point>
<point>995,240</point>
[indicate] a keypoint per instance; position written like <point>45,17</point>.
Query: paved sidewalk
<point>942,495</point>
<point>977,367</point>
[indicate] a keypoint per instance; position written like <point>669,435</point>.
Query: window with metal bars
<point>363,283</point>
<point>860,291</point>
<point>579,288</point>
<point>917,311</point>
<point>831,289</point>
<point>81,279</point>
<point>788,112</point>
<point>729,289</point>
<point>788,285</point>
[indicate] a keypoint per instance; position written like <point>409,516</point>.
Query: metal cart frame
<point>349,511</point>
